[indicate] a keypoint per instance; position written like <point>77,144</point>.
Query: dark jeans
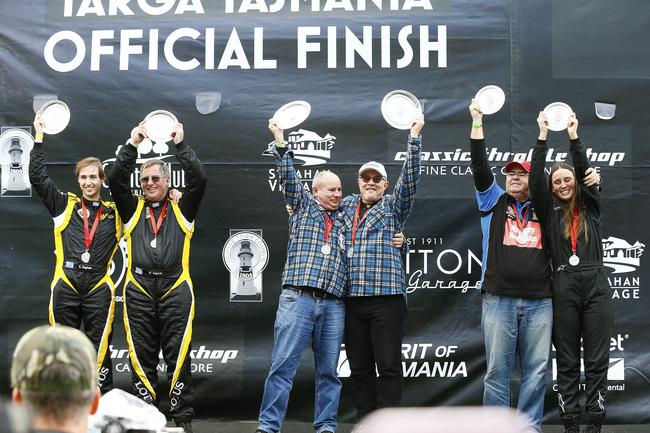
<point>374,326</point>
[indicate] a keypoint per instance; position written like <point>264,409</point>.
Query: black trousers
<point>374,327</point>
<point>94,309</point>
<point>154,319</point>
<point>582,309</point>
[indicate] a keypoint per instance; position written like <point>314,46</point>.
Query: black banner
<point>114,61</point>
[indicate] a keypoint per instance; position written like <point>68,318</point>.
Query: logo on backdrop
<point>205,359</point>
<point>15,146</point>
<point>148,151</point>
<point>419,360</point>
<point>432,265</point>
<point>616,369</point>
<point>310,148</point>
<point>245,255</point>
<point>623,258</point>
<point>457,162</point>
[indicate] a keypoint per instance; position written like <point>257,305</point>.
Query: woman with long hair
<point>570,214</point>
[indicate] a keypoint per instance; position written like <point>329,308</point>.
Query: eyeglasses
<point>146,179</point>
<point>375,179</point>
<point>517,173</point>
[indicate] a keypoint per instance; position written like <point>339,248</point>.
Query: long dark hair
<point>569,206</point>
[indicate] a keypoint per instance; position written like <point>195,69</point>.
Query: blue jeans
<point>517,327</point>
<point>302,319</point>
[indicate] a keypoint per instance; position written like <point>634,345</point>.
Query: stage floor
<point>302,427</point>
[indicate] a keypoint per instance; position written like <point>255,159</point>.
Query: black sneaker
<point>592,428</point>
<point>187,426</point>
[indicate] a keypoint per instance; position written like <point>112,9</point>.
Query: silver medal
<point>153,243</point>
<point>574,260</point>
<point>326,249</point>
<point>350,253</point>
<point>85,257</point>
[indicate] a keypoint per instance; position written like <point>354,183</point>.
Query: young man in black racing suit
<point>86,233</point>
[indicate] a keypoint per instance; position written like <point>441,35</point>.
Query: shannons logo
<point>309,147</point>
<point>622,257</point>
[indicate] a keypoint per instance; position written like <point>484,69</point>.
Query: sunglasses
<point>146,179</point>
<point>375,179</point>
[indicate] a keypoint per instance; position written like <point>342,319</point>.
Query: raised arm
<point>194,174</point>
<point>539,190</point>
<point>119,178</point>
<point>406,185</point>
<point>588,186</point>
<point>293,190</point>
<point>54,200</point>
<point>483,177</point>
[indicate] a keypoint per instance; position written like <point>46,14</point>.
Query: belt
<point>314,292</point>
<point>84,267</point>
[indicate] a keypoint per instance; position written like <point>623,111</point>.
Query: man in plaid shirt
<point>311,307</point>
<point>375,304</point>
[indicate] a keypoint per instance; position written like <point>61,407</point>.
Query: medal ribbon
<point>356,223</point>
<point>574,231</point>
<point>90,234</point>
<point>155,224</point>
<point>521,222</point>
<point>329,223</point>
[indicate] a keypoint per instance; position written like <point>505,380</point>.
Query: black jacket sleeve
<point>539,192</point>
<point>55,200</point>
<point>119,181</point>
<point>590,196</point>
<point>483,177</point>
<point>196,180</point>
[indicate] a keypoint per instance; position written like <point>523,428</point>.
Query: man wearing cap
<point>86,233</point>
<point>53,373</point>
<point>375,304</point>
<point>517,312</point>
<point>311,306</point>
<point>158,292</point>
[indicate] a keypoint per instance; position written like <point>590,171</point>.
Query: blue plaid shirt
<point>376,267</point>
<point>306,264</point>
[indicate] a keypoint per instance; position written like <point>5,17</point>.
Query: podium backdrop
<point>114,61</point>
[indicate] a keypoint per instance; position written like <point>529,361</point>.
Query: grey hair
<point>164,169</point>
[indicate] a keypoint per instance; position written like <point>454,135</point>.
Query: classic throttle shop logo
<point>623,258</point>
<point>148,151</point>
<point>245,255</point>
<point>457,162</point>
<point>204,359</point>
<point>309,148</point>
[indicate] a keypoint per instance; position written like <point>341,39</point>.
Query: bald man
<point>311,306</point>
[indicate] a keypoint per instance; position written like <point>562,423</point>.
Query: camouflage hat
<point>54,359</point>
